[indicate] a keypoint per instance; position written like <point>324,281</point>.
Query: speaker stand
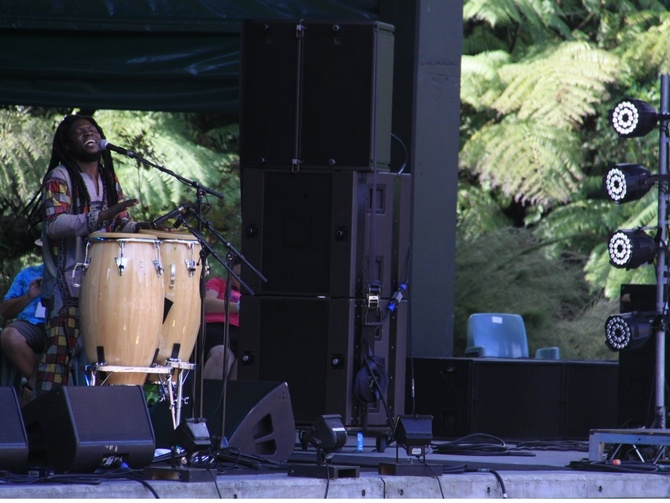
<point>324,471</point>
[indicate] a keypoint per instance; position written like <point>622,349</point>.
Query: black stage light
<point>628,331</point>
<point>192,435</point>
<point>327,434</point>
<point>627,182</point>
<point>415,433</point>
<point>629,249</point>
<point>633,118</point>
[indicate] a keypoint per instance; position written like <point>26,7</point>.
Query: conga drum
<point>121,302</point>
<point>180,257</point>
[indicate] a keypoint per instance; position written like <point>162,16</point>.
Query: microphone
<point>182,210</point>
<point>191,210</point>
<point>105,145</point>
<point>180,221</point>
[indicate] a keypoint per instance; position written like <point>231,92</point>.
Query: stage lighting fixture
<point>632,118</point>
<point>415,433</point>
<point>627,182</point>
<point>327,434</point>
<point>628,330</point>
<point>192,435</point>
<point>629,249</point>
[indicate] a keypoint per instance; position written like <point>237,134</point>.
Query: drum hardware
<point>173,274</point>
<point>182,369</point>
<point>191,266</point>
<point>92,369</point>
<point>158,266</point>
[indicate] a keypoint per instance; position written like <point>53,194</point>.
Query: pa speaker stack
<point>324,218</point>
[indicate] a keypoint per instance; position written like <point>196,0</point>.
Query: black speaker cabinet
<point>313,233</point>
<point>514,399</point>
<point>259,418</point>
<point>78,429</point>
<point>316,95</point>
<point>313,344</point>
<point>13,439</point>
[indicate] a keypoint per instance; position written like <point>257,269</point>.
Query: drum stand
<point>164,374</point>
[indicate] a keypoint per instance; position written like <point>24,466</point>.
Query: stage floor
<point>489,470</point>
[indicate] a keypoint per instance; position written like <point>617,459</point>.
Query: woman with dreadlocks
<point>81,195</point>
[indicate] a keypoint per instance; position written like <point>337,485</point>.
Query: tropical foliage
<point>538,80</point>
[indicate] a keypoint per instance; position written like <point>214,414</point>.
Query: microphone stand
<point>228,264</point>
<point>201,190</point>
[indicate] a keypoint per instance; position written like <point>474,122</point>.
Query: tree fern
<point>559,86</point>
<point>527,161</point>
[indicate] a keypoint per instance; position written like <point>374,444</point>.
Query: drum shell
<point>181,288</point>
<point>122,313</point>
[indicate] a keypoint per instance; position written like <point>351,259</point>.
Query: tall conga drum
<point>121,302</point>
<point>180,257</point>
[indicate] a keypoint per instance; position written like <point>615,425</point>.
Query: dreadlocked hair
<point>60,155</point>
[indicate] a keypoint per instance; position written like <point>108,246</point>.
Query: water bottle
<point>359,442</point>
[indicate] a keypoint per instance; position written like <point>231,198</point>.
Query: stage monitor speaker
<point>316,97</point>
<point>13,439</point>
<point>79,429</point>
<point>259,418</point>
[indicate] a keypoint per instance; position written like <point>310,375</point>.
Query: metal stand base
<point>410,469</point>
<point>599,438</point>
<point>324,471</point>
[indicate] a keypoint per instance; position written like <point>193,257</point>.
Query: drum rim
<point>101,235</point>
<point>166,235</point>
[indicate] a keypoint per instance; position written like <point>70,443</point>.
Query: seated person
<point>23,338</point>
<point>215,318</point>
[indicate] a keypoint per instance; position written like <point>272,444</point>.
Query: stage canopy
<point>167,55</point>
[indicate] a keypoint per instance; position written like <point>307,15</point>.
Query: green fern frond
<point>528,161</point>
<point>559,87</point>
<point>478,211</point>
<point>536,15</point>
<point>651,50</point>
<point>480,81</point>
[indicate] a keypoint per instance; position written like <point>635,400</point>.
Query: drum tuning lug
<point>121,264</point>
<point>190,266</point>
<point>173,274</point>
<point>158,267</point>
